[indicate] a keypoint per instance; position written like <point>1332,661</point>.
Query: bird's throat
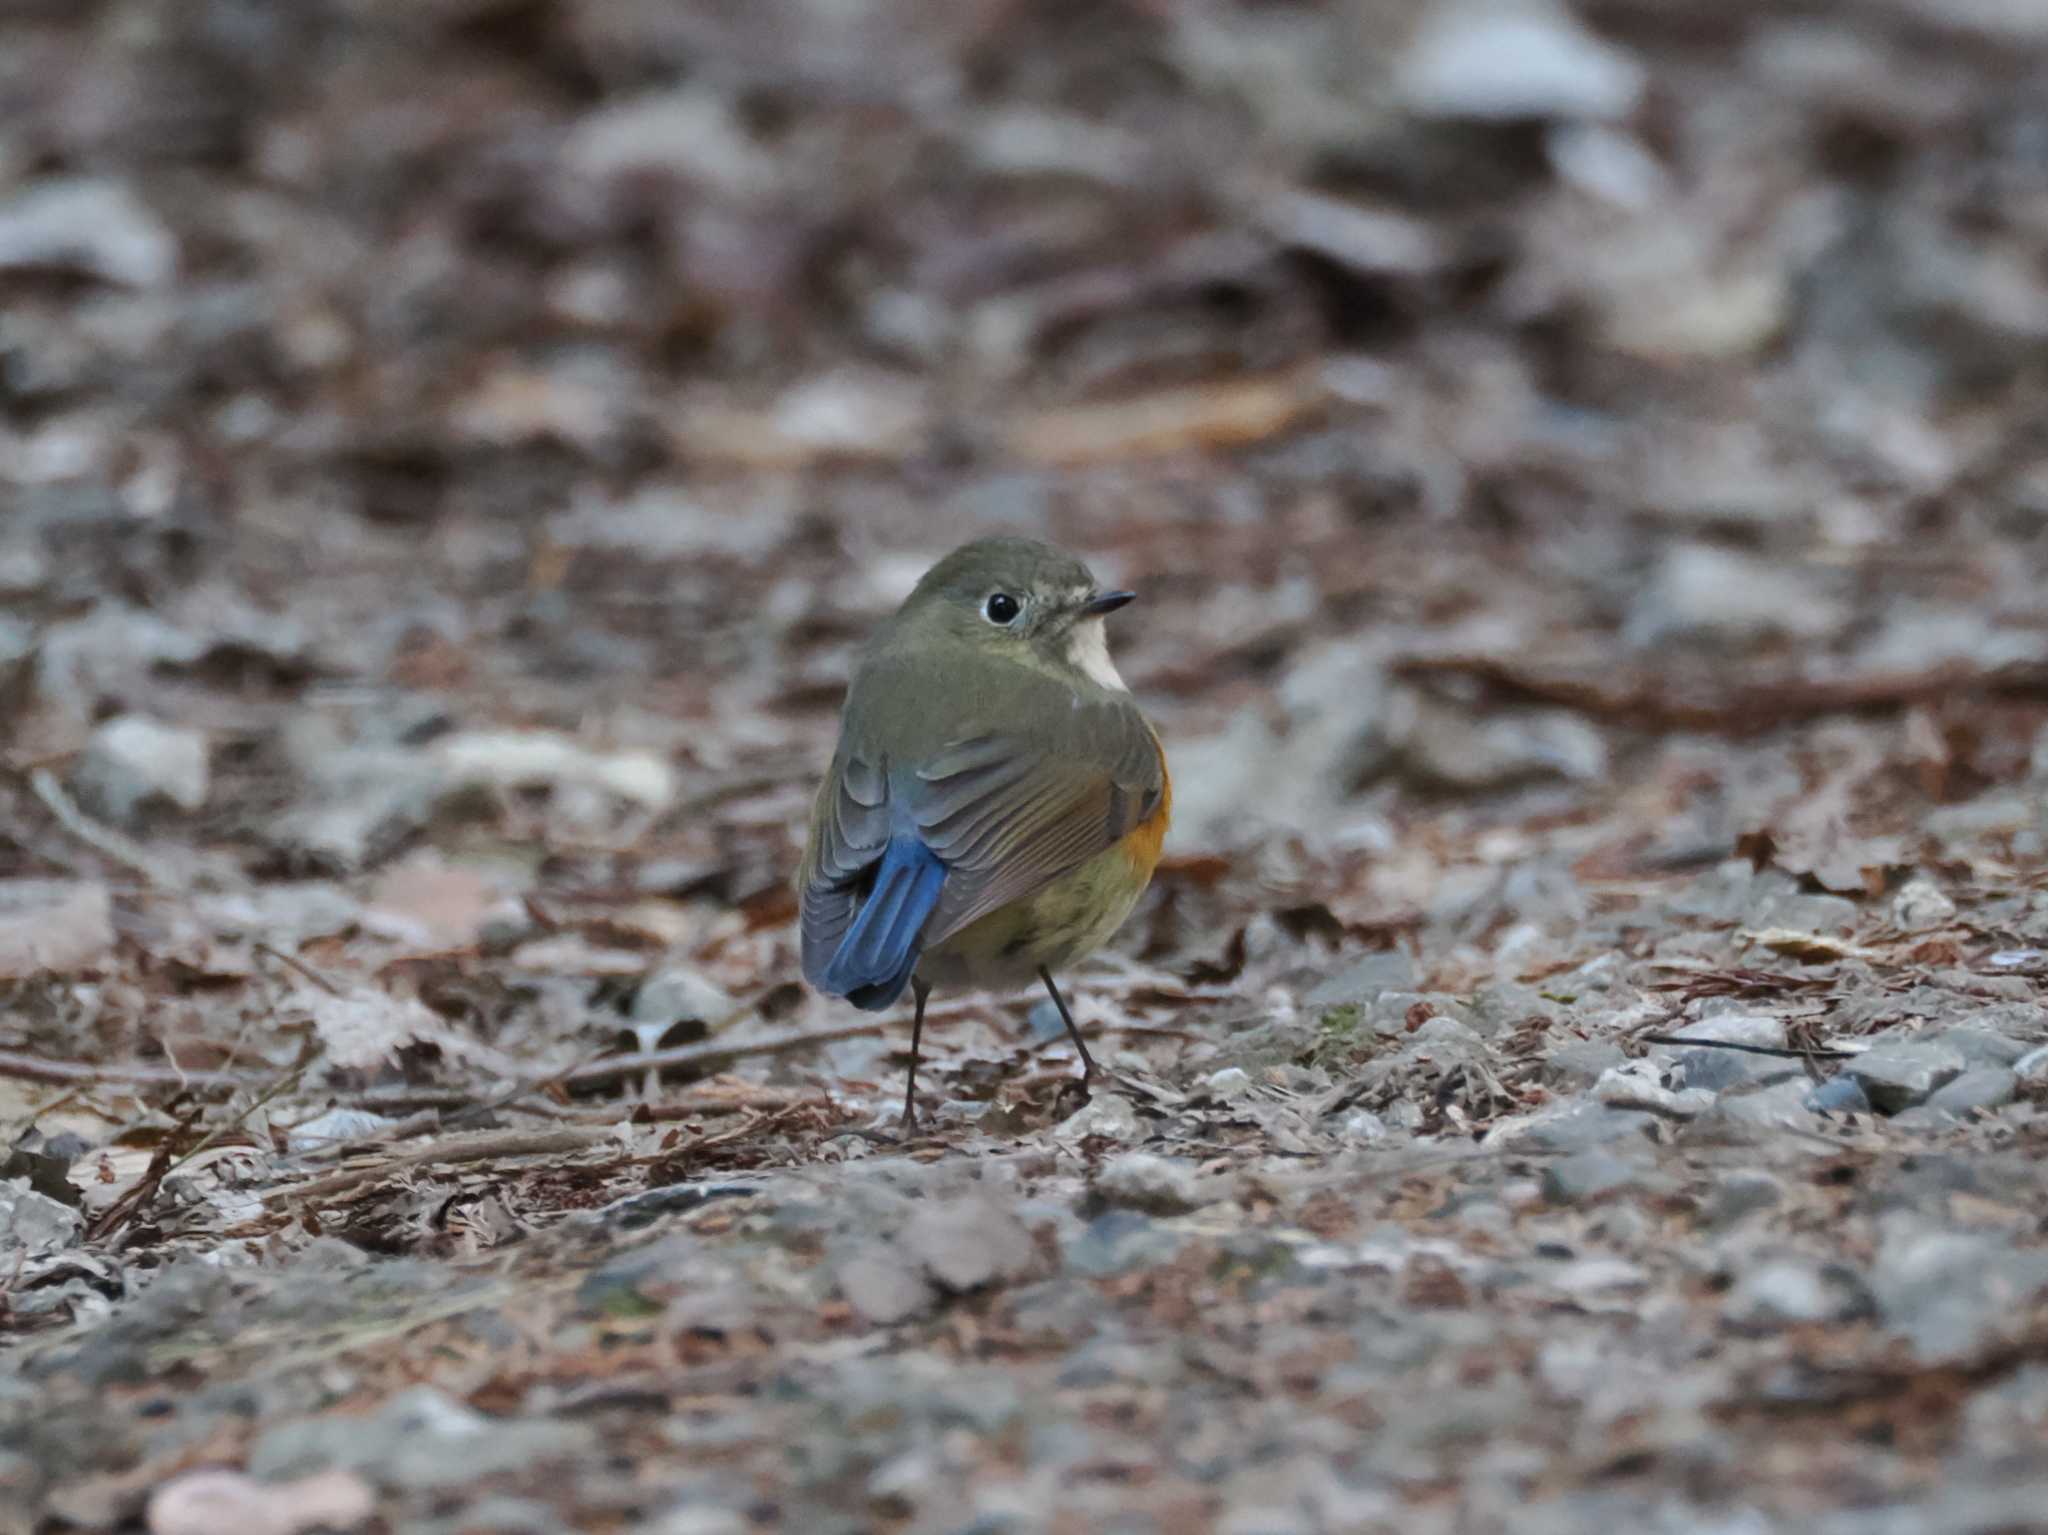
<point>1088,651</point>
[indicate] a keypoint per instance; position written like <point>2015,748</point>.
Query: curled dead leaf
<point>1815,948</point>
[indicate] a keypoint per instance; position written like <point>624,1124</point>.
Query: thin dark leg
<point>1060,1002</point>
<point>920,991</point>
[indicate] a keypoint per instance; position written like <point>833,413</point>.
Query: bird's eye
<point>1001,608</point>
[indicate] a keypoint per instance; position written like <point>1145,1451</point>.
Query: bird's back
<point>1027,791</point>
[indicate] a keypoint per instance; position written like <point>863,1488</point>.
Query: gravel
<point>1896,1077</point>
<point>1787,1292</point>
<point>1580,468</point>
<point>1980,1087</point>
<point>1585,1176</point>
<point>1138,1180</point>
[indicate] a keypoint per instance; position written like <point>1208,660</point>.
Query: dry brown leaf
<point>1812,947</point>
<point>1200,418</point>
<point>437,904</point>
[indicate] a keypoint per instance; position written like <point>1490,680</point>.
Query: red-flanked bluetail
<point>997,802</point>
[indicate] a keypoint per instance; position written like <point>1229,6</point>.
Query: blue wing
<point>873,961</point>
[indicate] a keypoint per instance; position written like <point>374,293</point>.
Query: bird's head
<point>1020,597</point>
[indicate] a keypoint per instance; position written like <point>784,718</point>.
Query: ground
<point>1581,1062</point>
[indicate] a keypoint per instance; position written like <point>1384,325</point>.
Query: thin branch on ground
<point>120,1074</point>
<point>712,1057</point>
<point>293,962</point>
<point>1671,703</point>
<point>1783,1052</point>
<point>104,840</point>
<point>448,1153</point>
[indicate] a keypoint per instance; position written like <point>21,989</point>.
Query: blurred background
<point>452,449</point>
<point>1585,467</point>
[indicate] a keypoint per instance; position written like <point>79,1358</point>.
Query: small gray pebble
<point>1585,1175</point>
<point>1839,1095</point>
<point>1579,1062</point>
<point>1739,1193</point>
<point>1896,1077</point>
<point>2032,1068</point>
<point>1982,1087</point>
<point>1718,1070</point>
<point>1983,1047</point>
<point>1139,1180</point>
<point>1783,1291</point>
<point>1580,1126</point>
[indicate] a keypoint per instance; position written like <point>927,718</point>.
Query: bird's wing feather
<point>849,834</point>
<point>1005,810</point>
<point>1008,813</point>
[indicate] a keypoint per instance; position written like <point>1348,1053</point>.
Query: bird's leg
<point>920,991</point>
<point>1060,1002</point>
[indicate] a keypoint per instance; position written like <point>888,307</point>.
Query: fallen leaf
<point>53,927</point>
<point>217,1501</point>
<point>1813,947</point>
<point>1207,416</point>
<point>436,904</point>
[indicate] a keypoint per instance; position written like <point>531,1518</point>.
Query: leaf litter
<point>1581,1061</point>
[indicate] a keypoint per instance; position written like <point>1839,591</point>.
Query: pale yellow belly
<point>1067,920</point>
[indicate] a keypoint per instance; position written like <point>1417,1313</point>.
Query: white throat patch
<point>1088,649</point>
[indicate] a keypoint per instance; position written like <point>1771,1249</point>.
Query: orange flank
<point>1141,844</point>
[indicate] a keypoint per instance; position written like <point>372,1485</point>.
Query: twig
<point>481,1148</point>
<point>1677,703</point>
<point>464,1108</point>
<point>753,1100</point>
<point>512,1095</point>
<point>103,840</point>
<point>142,1189</point>
<point>132,1074</point>
<point>609,1069</point>
<point>711,1056</point>
<point>422,1123</point>
<point>292,962</point>
<point>407,1100</point>
<point>1153,1030</point>
<point>861,1133</point>
<point>163,1164</point>
<point>1781,1051</point>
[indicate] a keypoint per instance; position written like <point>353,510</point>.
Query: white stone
<point>133,763</point>
<point>85,225</point>
<point>1700,591</point>
<point>1500,60</point>
<point>1230,1082</point>
<point>1921,905</point>
<point>1635,1086</point>
<point>1782,1291</point>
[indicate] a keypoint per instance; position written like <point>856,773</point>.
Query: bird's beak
<point>1105,602</point>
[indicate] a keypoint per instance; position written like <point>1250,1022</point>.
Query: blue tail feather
<point>874,960</point>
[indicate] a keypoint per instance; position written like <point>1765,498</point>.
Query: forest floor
<point>1581,1064</point>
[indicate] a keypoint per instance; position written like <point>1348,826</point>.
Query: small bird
<point>997,802</point>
